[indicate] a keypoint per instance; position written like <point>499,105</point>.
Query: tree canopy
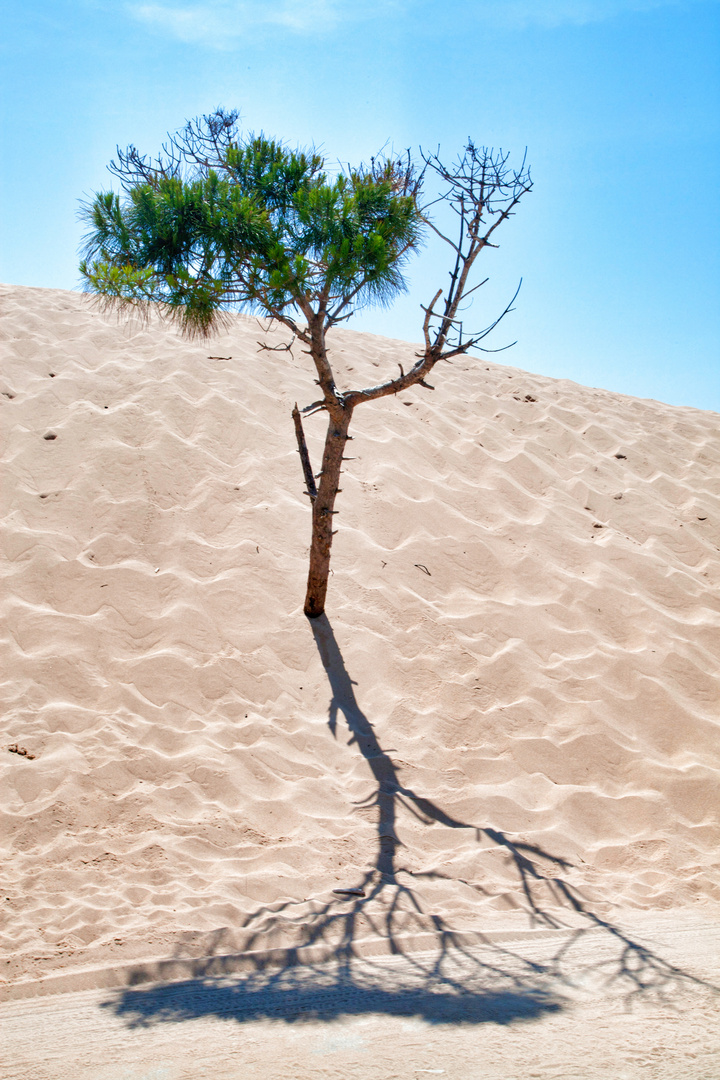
<point>216,222</point>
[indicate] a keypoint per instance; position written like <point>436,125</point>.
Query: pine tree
<point>217,221</point>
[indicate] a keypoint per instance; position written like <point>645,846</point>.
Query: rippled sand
<point>520,659</point>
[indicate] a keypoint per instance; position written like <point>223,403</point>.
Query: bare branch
<point>483,191</point>
<point>304,456</point>
<point>442,235</point>
<point>429,312</point>
<point>282,347</point>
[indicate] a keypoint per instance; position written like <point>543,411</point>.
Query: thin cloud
<point>223,23</point>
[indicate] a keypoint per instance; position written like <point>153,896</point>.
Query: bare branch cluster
<point>482,190</point>
<point>200,144</point>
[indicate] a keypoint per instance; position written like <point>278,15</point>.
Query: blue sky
<point>617,102</point>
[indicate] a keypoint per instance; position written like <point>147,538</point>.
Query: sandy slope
<point>513,708</point>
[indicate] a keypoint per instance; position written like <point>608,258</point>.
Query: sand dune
<point>520,661</point>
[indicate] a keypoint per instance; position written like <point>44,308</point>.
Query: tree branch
<point>304,455</point>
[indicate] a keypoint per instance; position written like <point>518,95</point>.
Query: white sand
<point>523,640</point>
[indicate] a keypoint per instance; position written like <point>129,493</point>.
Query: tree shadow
<point>440,976</point>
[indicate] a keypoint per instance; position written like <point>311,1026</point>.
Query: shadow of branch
<point>448,978</point>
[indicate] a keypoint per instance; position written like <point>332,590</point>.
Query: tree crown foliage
<point>217,221</point>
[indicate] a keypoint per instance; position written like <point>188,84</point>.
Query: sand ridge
<point>521,653</point>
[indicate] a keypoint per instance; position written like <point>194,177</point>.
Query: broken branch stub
<point>304,455</point>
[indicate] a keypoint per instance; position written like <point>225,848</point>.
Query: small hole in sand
<point>50,436</point>
<point>51,374</point>
<point>43,496</point>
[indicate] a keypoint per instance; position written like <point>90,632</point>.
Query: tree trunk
<point>323,510</point>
